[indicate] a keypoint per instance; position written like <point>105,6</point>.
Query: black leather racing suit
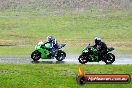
<point>102,49</point>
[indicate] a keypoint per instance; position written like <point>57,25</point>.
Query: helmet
<point>50,38</point>
<point>97,40</point>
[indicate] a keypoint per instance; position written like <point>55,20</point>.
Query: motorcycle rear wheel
<point>60,55</point>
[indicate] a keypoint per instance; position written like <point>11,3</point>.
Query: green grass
<point>76,23</point>
<point>16,51</point>
<point>76,31</point>
<point>56,76</point>
<point>28,29</point>
<point>26,22</point>
<point>27,50</point>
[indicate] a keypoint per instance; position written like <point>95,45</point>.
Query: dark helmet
<point>50,38</point>
<point>97,40</point>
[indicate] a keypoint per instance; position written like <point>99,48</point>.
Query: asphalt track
<point>71,59</point>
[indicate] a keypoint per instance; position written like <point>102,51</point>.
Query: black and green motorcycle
<point>90,54</point>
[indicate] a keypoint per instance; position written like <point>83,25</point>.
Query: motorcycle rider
<point>54,44</point>
<point>101,47</point>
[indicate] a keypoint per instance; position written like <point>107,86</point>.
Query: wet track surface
<point>72,59</point>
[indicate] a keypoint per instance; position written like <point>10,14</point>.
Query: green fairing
<point>44,52</point>
<point>93,58</point>
<point>94,49</point>
<point>85,50</point>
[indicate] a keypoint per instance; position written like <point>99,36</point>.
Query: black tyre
<point>36,55</point>
<point>82,59</point>
<point>110,58</point>
<point>60,55</point>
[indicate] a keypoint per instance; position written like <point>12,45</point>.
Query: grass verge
<point>56,76</point>
<point>27,50</point>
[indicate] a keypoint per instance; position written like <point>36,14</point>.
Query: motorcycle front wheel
<point>36,55</point>
<point>82,59</point>
<point>110,58</point>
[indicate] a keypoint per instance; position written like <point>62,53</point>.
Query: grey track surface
<point>71,59</point>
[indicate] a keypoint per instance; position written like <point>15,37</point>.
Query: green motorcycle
<point>43,51</point>
<point>90,54</point>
